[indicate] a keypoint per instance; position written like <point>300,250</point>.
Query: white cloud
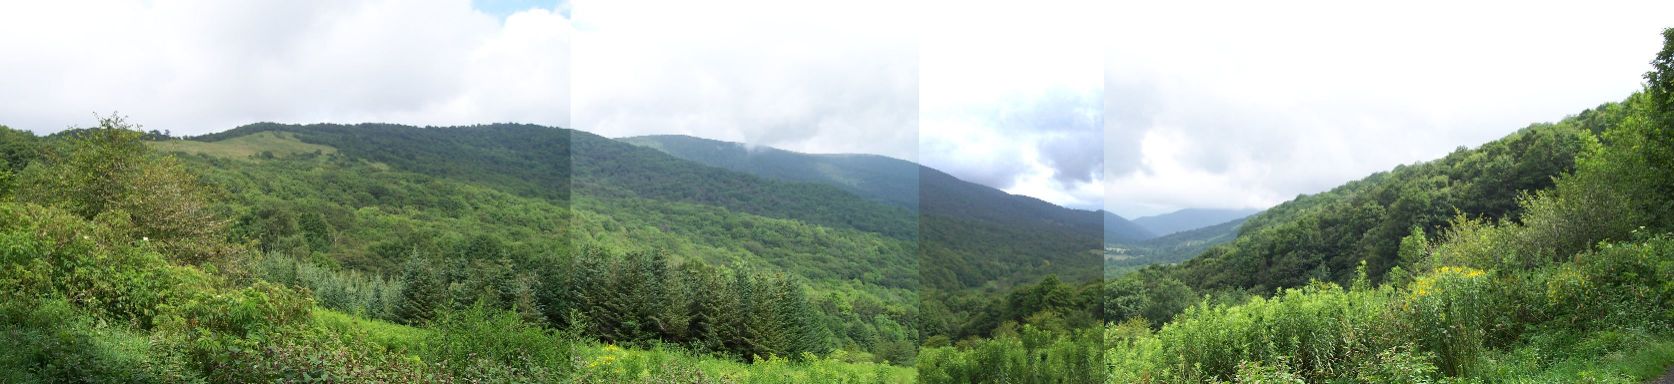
<point>1011,98</point>
<point>1254,103</point>
<point>813,77</point>
<point>205,66</point>
<point>1003,96</point>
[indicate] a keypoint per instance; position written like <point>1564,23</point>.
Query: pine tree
<point>706,319</point>
<point>553,293</point>
<point>744,329</point>
<point>803,331</point>
<point>672,316</point>
<point>590,291</point>
<point>424,293</point>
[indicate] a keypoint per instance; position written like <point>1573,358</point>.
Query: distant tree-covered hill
<point>879,178</point>
<point>975,243</point>
<point>1189,219</point>
<point>1174,248</point>
<point>543,161</point>
<point>1325,236</point>
<point>1119,230</point>
<point>973,235</point>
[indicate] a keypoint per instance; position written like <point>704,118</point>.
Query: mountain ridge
<point>1008,235</point>
<point>1189,219</point>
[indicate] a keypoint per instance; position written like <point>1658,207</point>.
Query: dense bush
<point>1026,355</point>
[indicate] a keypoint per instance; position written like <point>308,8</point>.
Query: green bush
<point>1258,373</point>
<point>51,341</point>
<point>482,344</point>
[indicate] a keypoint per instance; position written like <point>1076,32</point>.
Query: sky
<point>820,77</point>
<point>201,66</point>
<point>1256,103</point>
<point>1139,107</point>
<point>1012,97</point>
<point>993,93</point>
<point>1013,104</point>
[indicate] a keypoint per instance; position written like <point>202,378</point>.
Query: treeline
<point>637,299</point>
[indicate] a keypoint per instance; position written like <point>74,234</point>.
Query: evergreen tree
<point>745,334</point>
<point>707,308</point>
<point>805,333</point>
<point>590,290</point>
<point>425,292</point>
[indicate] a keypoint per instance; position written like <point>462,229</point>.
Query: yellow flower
<point>1427,285</point>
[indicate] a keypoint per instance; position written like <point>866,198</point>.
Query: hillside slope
<point>971,235</point>
<point>1326,235</point>
<point>1174,248</point>
<point>1119,230</point>
<point>390,194</point>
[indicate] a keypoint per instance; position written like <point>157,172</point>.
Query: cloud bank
<point>1012,97</point>
<point>1253,104</point>
<point>195,67</point>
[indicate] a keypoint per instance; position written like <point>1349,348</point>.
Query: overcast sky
<point>1011,97</point>
<point>1253,104</point>
<point>824,77</point>
<point>1243,107</point>
<point>195,67</point>
<point>998,94</point>
<point>1014,102</point>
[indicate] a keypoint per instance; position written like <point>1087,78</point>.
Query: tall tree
<point>424,294</point>
<point>107,170</point>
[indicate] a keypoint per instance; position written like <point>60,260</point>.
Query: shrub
<point>1257,373</point>
<point>482,344</point>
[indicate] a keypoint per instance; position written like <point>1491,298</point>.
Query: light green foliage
<point>613,364</point>
<point>107,173</point>
<point>49,340</point>
<point>255,146</point>
<point>349,291</point>
<point>482,344</point>
<point>1257,373</point>
<point>1027,355</point>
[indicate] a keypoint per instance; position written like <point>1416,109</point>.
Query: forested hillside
<point>993,237</point>
<point>1121,258</point>
<point>541,161</point>
<point>383,213</point>
<point>1326,236</point>
<point>1120,230</point>
<point>975,243</point>
<point>1541,257</point>
<point>407,245</point>
<point>878,178</point>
